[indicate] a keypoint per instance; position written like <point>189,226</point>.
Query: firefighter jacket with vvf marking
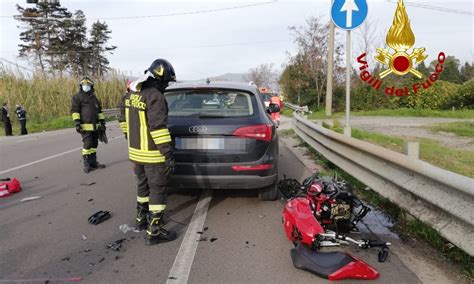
<point>144,118</point>
<point>86,108</point>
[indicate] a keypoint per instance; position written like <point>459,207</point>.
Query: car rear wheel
<point>268,193</point>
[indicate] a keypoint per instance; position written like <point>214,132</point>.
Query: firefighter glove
<point>79,128</point>
<point>169,165</point>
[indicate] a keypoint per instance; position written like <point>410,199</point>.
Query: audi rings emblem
<point>198,129</point>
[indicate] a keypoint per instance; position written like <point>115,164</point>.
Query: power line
<point>437,8</point>
<point>149,16</point>
<point>13,63</point>
<point>252,43</point>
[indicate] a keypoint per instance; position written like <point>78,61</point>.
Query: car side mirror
<point>272,108</point>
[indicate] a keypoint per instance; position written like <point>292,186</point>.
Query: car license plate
<point>199,143</point>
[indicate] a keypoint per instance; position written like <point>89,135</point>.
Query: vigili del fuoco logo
<point>398,59</point>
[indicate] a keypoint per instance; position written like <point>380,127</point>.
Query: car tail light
<point>259,132</point>
<point>253,167</point>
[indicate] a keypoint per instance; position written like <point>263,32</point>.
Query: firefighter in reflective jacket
<point>144,118</point>
<point>86,111</point>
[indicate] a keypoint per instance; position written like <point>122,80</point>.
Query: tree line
<point>58,42</point>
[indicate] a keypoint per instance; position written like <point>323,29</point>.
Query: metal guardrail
<point>297,108</point>
<point>440,198</point>
<point>113,112</point>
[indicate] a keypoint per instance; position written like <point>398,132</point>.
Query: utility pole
<point>330,70</point>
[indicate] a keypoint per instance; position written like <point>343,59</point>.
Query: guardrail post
<point>347,131</point>
<point>412,149</point>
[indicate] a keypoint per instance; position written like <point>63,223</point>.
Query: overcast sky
<point>232,41</point>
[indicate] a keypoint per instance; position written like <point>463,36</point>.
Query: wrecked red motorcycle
<point>319,213</point>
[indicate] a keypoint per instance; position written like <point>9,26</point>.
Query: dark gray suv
<point>223,137</point>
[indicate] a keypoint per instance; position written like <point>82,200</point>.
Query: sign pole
<point>347,128</point>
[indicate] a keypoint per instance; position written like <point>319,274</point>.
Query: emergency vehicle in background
<point>271,98</point>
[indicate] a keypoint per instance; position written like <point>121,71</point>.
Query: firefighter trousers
<point>152,186</point>
<point>90,141</point>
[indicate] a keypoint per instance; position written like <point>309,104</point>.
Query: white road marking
<point>47,158</point>
<point>179,273</point>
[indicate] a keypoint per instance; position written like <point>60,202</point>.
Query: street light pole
<point>330,70</point>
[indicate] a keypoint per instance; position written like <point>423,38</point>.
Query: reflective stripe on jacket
<point>144,118</point>
<point>86,109</point>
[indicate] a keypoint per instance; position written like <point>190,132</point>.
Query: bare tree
<point>262,75</point>
<point>369,40</point>
<point>312,54</point>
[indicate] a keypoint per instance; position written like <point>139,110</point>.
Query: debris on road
<point>213,240</point>
<point>87,183</point>
<point>117,245</point>
<point>99,217</point>
<point>9,186</point>
<point>30,198</point>
<point>101,260</point>
<point>90,200</point>
<point>66,258</point>
<point>206,228</point>
<point>126,228</point>
<point>202,239</point>
<point>84,237</point>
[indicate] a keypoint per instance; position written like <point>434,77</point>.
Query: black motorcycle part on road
<point>322,264</point>
<point>99,217</point>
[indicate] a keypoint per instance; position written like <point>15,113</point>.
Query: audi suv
<point>223,137</point>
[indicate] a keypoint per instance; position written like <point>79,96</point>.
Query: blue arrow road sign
<point>348,14</point>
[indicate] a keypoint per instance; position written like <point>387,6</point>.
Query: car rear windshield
<point>210,103</point>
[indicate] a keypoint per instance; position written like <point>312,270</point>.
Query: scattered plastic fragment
<point>87,183</point>
<point>213,240</point>
<point>90,200</point>
<point>102,259</point>
<point>126,228</point>
<point>99,217</point>
<point>30,198</point>
<point>84,237</point>
<point>116,246</point>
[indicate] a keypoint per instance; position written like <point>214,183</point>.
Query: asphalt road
<point>241,239</point>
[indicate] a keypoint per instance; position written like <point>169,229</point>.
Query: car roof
<point>214,84</point>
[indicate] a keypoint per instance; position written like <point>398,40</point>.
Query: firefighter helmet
<point>162,70</point>
<point>86,81</point>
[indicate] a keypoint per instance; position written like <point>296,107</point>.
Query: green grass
<point>403,225</point>
<point>288,112</point>
<point>50,124</point>
<point>457,161</point>
<point>418,113</point>
<point>459,128</point>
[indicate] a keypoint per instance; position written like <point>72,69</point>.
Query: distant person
<point>6,120</point>
<point>21,114</point>
<point>276,115</point>
<point>86,111</point>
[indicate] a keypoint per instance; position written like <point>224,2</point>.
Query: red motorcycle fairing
<point>331,265</point>
<point>299,222</point>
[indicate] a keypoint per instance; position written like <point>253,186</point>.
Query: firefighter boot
<point>87,166</point>
<point>142,212</point>
<point>93,162</point>
<point>155,232</point>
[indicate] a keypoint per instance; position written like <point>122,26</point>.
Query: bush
<point>436,97</point>
<point>464,99</point>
